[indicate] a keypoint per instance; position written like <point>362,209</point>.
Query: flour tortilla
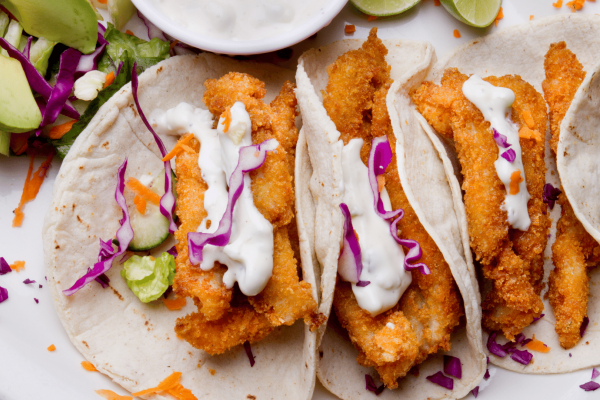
<point>131,342</point>
<point>520,50</point>
<point>424,180</point>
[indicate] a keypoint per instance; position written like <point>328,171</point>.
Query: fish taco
<point>171,244</point>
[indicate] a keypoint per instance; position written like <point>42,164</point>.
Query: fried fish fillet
<point>430,308</point>
<point>226,318</point>
<point>512,259</point>
<point>574,249</point>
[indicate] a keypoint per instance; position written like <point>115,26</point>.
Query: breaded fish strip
<point>421,323</point>
<point>190,280</point>
<point>564,74</point>
<point>572,253</point>
<point>511,258</point>
<point>574,249</point>
<point>285,298</point>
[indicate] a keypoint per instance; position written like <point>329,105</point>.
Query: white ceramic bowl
<point>231,47</point>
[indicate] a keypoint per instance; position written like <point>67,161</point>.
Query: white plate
<point>29,372</point>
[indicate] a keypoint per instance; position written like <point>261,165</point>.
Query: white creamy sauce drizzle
<point>249,254</point>
<point>240,20</point>
<point>382,257</point>
<point>495,105</point>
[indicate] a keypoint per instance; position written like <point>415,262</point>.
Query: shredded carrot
<point>51,347</point>
<point>177,148</point>
<point>129,32</point>
<point>175,304</point>
<point>173,44</point>
<point>102,1</point>
<point>59,131</point>
<point>18,142</point>
<point>169,383</point>
<point>356,234</point>
<point>528,118</point>
<point>437,3</point>
<point>18,265</point>
<point>575,5</point>
<point>537,345</point>
<point>181,393</point>
<point>137,187</point>
<point>110,395</point>
<point>110,78</point>
<point>371,18</point>
<point>531,17</point>
<point>380,182</point>
<point>499,16</point>
<point>527,133</point>
<point>515,179</point>
<point>456,33</point>
<point>349,29</point>
<point>140,204</point>
<point>88,366</point>
<point>179,337</point>
<point>32,185</point>
<point>227,120</point>
<point>558,4</point>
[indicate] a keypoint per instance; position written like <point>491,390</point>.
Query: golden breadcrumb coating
<point>564,74</point>
<point>431,307</point>
<point>225,317</point>
<point>512,259</point>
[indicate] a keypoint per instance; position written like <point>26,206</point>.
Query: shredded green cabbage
<point>149,278</point>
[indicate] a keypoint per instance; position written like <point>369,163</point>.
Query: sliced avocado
<point>120,11</point>
<point>71,22</point>
<point>18,109</point>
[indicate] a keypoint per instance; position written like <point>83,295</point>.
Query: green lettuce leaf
<point>149,278</point>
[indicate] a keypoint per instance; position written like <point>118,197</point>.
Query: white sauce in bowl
<point>239,20</point>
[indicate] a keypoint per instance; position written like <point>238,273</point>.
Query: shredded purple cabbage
<point>350,260</point>
<point>536,319</point>
<point>584,325</point>
<point>36,301</point>
<point>40,286</point>
<point>494,347</point>
<point>371,387</point>
<point>28,281</point>
<point>379,159</point>
<point>124,236</point>
<point>173,251</point>
<point>167,201</point>
<point>414,250</point>
<point>509,155</point>
<point>363,283</point>
<point>251,158</point>
<point>452,366</point>
<point>4,267</point>
<point>486,376</point>
<point>475,391</point>
<point>595,373</point>
<point>590,386</point>
<point>442,380</point>
<point>103,280</point>
<point>521,356</point>
<point>249,353</point>
<point>3,294</point>
<point>153,30</point>
<point>35,79</point>
<point>500,139</point>
<point>27,49</point>
<point>89,62</point>
<point>550,195</point>
<point>63,87</point>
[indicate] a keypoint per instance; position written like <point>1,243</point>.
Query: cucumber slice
<point>152,228</point>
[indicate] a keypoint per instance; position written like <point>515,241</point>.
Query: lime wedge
<point>383,8</point>
<point>478,13</point>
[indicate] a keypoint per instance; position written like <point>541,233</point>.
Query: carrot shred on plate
<point>531,17</point>
<point>178,147</point>
<point>140,204</point>
<point>175,304</point>
<point>51,347</point>
<point>88,366</point>
<point>575,5</point>
<point>59,131</point>
<point>537,345</point>
<point>456,34</point>
<point>17,265</point>
<point>137,187</point>
<point>350,29</point>
<point>110,395</point>
<point>110,78</point>
<point>499,16</point>
<point>169,383</point>
<point>515,179</point>
<point>437,3</point>
<point>32,185</point>
<point>102,1</point>
<point>558,4</point>
<point>181,393</point>
<point>371,18</point>
<point>18,142</point>
<point>129,32</point>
